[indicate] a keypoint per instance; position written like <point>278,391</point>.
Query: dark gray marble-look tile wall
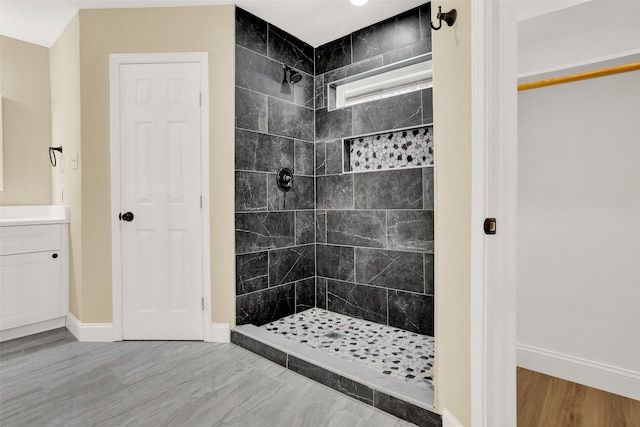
<point>251,191</point>
<point>393,33</point>
<point>395,189</point>
<point>303,158</point>
<point>299,197</point>
<point>334,54</point>
<point>320,153</point>
<point>290,120</point>
<point>264,230</point>
<point>333,124</point>
<point>261,152</point>
<point>390,269</point>
<point>396,112</point>
<point>335,262</point>
<point>334,157</point>
<point>259,308</point>
<point>352,70</point>
<point>252,272</point>
<point>334,192</point>
<point>251,110</point>
<point>428,187</point>
<point>305,294</point>
<point>274,129</point>
<point>290,50</point>
<point>320,89</point>
<point>305,227</point>
<point>291,264</point>
<point>357,228</point>
<point>251,31</point>
<point>429,274</point>
<point>427,106</point>
<point>386,217</point>
<point>361,301</point>
<point>261,74</point>
<point>321,227</point>
<point>413,312</point>
<point>410,230</point>
<point>321,293</point>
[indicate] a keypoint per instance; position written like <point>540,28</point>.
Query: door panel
<point>161,186</point>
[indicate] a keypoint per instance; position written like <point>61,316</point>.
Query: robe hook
<point>448,17</point>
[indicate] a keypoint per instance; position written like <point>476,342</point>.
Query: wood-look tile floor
<point>545,401</point>
<point>50,379</point>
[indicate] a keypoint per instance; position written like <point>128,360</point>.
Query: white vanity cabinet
<point>34,275</point>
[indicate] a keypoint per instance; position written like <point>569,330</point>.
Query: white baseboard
<point>35,328</point>
<point>89,332</point>
<point>448,420</point>
<point>220,332</point>
<point>593,374</point>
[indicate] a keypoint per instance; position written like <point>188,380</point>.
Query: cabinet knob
<point>54,256</point>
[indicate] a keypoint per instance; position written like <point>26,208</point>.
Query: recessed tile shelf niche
<point>405,148</point>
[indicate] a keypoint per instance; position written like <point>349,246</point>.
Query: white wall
<point>585,31</point>
<point>579,232</point>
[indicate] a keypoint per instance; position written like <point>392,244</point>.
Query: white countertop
<point>33,215</point>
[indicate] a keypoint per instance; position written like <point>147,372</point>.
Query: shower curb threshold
<point>392,395</point>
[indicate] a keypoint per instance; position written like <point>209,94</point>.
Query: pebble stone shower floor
<point>391,351</point>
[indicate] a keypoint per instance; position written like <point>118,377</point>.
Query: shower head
<point>294,77</point>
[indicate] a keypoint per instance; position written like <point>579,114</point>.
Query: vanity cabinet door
<point>30,288</point>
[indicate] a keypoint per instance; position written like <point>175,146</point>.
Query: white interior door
<point>161,187</point>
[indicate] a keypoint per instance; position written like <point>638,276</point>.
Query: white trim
<point>448,420</point>
<point>582,371</point>
<point>34,328</point>
<point>89,332</point>
<point>219,332</point>
<point>494,194</point>
<point>115,61</point>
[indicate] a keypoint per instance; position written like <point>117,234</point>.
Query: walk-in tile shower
<point>343,262</point>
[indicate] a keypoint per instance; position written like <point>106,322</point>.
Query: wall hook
<point>52,155</point>
<point>448,17</point>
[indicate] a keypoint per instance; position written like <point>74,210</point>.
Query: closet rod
<point>634,66</point>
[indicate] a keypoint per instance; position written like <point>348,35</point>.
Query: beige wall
<point>452,118</point>
<point>26,110</point>
<point>64,63</point>
<point>197,29</point>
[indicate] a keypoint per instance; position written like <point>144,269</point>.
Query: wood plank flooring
<point>50,379</point>
<point>545,401</point>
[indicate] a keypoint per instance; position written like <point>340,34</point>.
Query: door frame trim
<point>115,61</point>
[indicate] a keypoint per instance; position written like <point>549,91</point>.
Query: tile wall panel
<point>385,217</point>
<point>275,124</point>
<point>373,231</point>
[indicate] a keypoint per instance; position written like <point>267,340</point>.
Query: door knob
<point>127,216</point>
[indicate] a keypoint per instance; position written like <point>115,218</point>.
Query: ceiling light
<point>359,2</point>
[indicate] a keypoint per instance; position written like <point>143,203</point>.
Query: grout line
<point>372,286</point>
<point>272,59</point>
<point>424,273</point>
<point>274,97</point>
<point>387,306</point>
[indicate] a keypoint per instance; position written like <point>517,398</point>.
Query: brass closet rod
<point>634,66</point>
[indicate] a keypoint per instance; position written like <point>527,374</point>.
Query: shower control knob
<point>284,179</point>
<point>127,216</point>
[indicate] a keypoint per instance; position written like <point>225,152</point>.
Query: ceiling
<point>313,21</point>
